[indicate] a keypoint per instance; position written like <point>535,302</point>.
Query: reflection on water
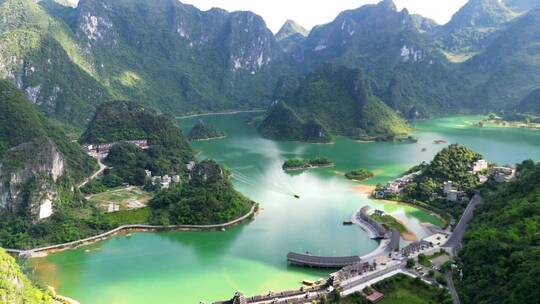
<point>187,267</point>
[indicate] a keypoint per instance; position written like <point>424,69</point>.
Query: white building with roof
<point>480,165</point>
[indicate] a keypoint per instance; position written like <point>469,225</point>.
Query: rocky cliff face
<point>28,176</point>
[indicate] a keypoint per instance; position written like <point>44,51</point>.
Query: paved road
<point>372,276</point>
<point>454,242</point>
<point>102,168</point>
<point>452,288</point>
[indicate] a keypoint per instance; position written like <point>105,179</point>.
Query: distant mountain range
<point>179,59</point>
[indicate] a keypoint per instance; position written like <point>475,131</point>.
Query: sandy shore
<point>364,189</point>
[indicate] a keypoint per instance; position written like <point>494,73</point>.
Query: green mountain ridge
<point>174,56</point>
<point>509,68</point>
<point>333,100</point>
<point>118,121</point>
<point>472,27</point>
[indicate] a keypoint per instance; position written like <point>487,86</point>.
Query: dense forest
<point>119,121</point>
<point>207,198</point>
<point>500,257</point>
<point>203,131</point>
<point>333,100</point>
<point>21,122</point>
<point>450,164</point>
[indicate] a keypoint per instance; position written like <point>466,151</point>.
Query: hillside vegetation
<point>21,122</point>
<point>119,121</point>
<point>207,198</point>
<point>333,100</point>
<point>203,131</point>
<point>502,246</point>
<point>15,288</point>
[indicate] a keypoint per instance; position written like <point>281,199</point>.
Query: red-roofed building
<point>375,297</point>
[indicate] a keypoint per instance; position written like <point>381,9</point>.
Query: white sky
<point>309,13</point>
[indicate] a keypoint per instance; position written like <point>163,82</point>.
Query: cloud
<point>310,13</point>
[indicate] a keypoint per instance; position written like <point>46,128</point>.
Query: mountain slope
<point>118,121</point>
<point>531,103</point>
<point>15,287</point>
<point>471,28</point>
<point>501,247</point>
<point>291,35</point>
<point>521,6</point>
<point>38,163</point>
<point>36,52</point>
<point>509,68</point>
<point>331,101</point>
<point>404,67</point>
<point>175,57</point>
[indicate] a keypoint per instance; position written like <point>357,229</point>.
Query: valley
<point>155,152</point>
<point>180,262</point>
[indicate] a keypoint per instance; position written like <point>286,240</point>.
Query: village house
<point>447,187</point>
<point>480,165</point>
<point>102,150</point>
<point>504,174</point>
<point>396,186</point>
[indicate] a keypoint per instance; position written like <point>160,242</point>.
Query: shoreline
<point>409,235</point>
<point>52,249</point>
<point>309,168</point>
<point>208,139</point>
<point>220,113</point>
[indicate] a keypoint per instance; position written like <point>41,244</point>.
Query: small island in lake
<point>302,164</point>
<point>359,174</point>
<point>205,131</point>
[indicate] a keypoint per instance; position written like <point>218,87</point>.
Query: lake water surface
<point>189,267</point>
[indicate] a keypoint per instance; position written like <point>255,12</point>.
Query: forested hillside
<point>118,121</point>
<point>207,198</point>
<point>15,288</point>
<point>500,256</point>
<point>331,101</point>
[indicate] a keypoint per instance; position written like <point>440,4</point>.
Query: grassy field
<point>130,217</point>
<point>390,222</point>
<point>401,289</point>
<point>122,197</point>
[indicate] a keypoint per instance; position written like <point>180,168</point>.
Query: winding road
<point>102,168</point>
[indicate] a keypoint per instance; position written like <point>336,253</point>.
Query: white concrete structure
<point>437,239</point>
<point>479,165</point>
<point>447,187</point>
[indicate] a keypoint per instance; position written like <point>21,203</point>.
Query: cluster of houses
<point>480,168</point>
<point>483,172</point>
<point>163,181</point>
<point>102,150</point>
<point>396,186</point>
<point>166,181</point>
